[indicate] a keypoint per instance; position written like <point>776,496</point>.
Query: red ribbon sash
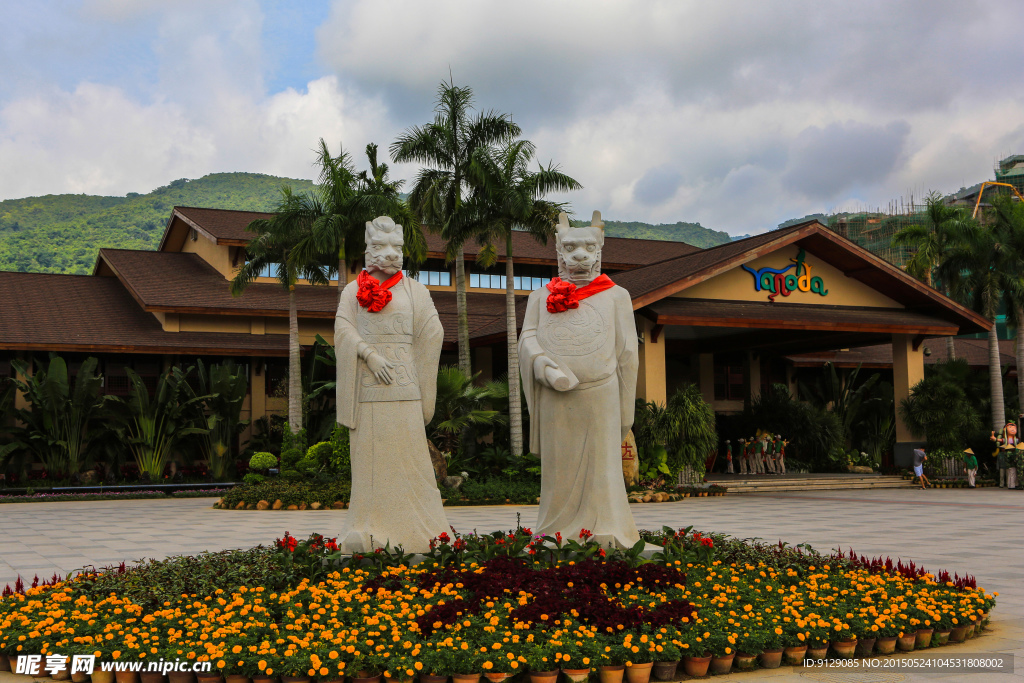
<point>373,295</point>
<point>565,295</point>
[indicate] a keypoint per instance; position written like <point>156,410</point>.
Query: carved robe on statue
<point>578,431</point>
<point>394,496</point>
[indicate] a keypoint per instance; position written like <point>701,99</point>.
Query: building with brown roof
<point>732,318</point>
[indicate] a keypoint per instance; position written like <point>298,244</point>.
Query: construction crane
<point>994,183</point>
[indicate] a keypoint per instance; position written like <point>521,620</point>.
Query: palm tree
<point>1009,227</point>
<point>337,212</point>
<point>979,265</point>
<point>507,196</point>
<point>445,147</point>
<point>929,241</point>
<point>275,242</point>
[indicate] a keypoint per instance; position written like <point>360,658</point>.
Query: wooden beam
<point>655,332</point>
<point>748,323</point>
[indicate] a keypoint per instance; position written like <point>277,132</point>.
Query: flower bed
<point>113,495</point>
<point>499,603</point>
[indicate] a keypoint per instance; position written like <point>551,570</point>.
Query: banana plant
<point>223,388</point>
<point>64,420</point>
<point>156,425</point>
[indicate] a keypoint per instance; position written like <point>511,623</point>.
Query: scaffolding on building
<point>875,229</point>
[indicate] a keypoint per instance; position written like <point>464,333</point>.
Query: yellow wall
<point>650,381</point>
<point>217,256</point>
<point>738,284</point>
<point>907,370</point>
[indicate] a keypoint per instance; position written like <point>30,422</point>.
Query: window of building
<point>270,270</point>
<point>438,278</point>
<point>527,277</point>
<point>728,378</point>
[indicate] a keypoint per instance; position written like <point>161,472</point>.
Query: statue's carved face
<point>384,241</point>
<point>579,250</point>
<point>1011,429</point>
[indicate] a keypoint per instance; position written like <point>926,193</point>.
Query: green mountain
<point>63,233</point>
<point>691,233</point>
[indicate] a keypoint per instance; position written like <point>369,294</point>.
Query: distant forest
<point>63,233</point>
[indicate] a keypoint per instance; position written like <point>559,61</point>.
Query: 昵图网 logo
<point>777,281</point>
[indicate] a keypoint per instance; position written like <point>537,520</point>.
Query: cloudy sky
<point>735,114</point>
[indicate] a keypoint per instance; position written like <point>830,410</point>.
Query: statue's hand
<point>540,364</point>
<point>380,367</point>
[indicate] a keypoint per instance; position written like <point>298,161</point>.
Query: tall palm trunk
<point>515,410</point>
<point>995,379</point>
<point>950,348</point>
<point>294,366</point>
<point>465,366</point>
<point>1020,360</point>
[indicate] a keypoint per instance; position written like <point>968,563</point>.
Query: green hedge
<point>289,493</point>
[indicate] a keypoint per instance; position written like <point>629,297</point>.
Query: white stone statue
<point>387,339</point>
<point>578,358</point>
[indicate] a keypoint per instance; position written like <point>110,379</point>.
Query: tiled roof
<point>86,313</point>
<point>223,224</point>
<point>182,282</point>
<point>618,252</point>
<point>974,351</point>
<point>230,227</point>
<point>767,315</point>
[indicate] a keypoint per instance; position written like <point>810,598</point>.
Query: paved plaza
<point>976,532</point>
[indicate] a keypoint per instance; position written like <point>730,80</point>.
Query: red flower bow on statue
<point>565,295</point>
<point>373,295</point>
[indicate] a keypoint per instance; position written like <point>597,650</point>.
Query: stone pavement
<point>966,531</point>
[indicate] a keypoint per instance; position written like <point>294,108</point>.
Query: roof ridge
<point>213,208</point>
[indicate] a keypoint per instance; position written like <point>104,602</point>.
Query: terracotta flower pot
<point>64,675</point>
<point>907,641</point>
<point>722,665</point>
<point>941,637</point>
<point>970,631</point>
<point>666,671</point>
<point>126,677</point>
<point>544,676</point>
<point>844,649</point>
<point>496,676</point>
<point>771,659</point>
<point>865,646</point>
<point>290,679</point>
<point>886,645</point>
<point>214,677</point>
<point>432,678</point>
<point>5,663</point>
<point>99,676</point>
<point>817,652</point>
<point>745,661</point>
<point>924,638</point>
<point>151,677</point>
<point>694,666</point>
<point>239,678</point>
<point>958,634</point>
<point>367,679</point>
<point>639,673</point>
<point>576,675</point>
<point>611,673</point>
<point>189,677</point>
<point>466,678</point>
<point>794,655</point>
<point>79,677</point>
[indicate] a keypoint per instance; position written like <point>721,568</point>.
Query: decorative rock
<point>315,505</point>
<point>452,482</point>
<point>338,505</point>
<point>438,461</point>
<point>277,504</point>
<point>859,469</point>
<point>578,357</point>
<point>388,345</point>
<point>302,505</point>
<point>263,505</point>
<point>647,499</point>
<point>241,505</point>
<point>292,507</point>
<point>630,460</point>
<point>88,476</point>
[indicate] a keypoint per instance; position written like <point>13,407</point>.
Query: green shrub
<point>253,478</point>
<point>262,461</point>
<point>341,462</point>
<point>289,493</point>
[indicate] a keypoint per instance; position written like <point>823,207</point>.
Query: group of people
<point>764,454</point>
<point>1009,458</point>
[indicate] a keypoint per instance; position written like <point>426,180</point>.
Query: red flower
<point>527,532</point>
<point>459,544</point>
<point>585,534</point>
<point>331,544</point>
<point>562,296</point>
<point>444,538</point>
<point>287,542</point>
<point>558,537</point>
<point>600,553</point>
<point>708,542</point>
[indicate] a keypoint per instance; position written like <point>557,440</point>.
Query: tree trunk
<point>515,409</point>
<point>1020,361</point>
<point>294,366</point>
<point>465,366</point>
<point>342,277</point>
<point>995,380</point>
<point>950,348</point>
